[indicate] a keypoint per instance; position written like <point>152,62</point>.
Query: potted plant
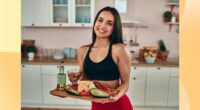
<point>31,51</point>
<point>167,16</point>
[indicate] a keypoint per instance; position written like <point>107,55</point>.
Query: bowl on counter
<point>58,56</point>
<point>150,59</point>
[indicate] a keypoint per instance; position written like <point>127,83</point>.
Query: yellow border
<point>10,54</point>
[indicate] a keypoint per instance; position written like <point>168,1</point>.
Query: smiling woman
<point>107,60</point>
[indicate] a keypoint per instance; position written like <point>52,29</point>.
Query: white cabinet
<point>49,82</point>
<point>136,91</point>
<point>157,86</point>
<point>82,12</point>
<point>173,95</point>
<point>35,13</point>
<point>31,89</point>
<point>60,12</point>
<point>71,12</point>
<point>57,12</point>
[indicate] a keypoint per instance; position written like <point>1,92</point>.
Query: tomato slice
<point>85,93</point>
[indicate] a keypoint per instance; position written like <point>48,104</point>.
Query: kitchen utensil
<point>131,40</point>
<point>135,43</point>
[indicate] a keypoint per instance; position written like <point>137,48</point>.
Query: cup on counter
<point>69,52</point>
<point>73,53</point>
<point>66,52</point>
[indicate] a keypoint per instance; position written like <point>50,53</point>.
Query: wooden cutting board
<point>64,94</point>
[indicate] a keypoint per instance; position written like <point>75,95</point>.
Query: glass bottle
<point>61,78</point>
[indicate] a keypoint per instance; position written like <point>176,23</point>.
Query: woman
<point>107,60</point>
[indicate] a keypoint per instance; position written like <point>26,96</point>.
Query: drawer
<point>138,71</point>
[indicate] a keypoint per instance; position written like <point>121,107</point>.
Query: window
<point>121,6</point>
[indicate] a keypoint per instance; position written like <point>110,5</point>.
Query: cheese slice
<point>83,86</point>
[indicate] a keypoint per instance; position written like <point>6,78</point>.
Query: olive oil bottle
<point>61,78</point>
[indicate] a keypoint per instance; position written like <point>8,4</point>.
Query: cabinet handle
<point>82,24</point>
<point>134,78</point>
<point>33,24</point>
<point>158,68</point>
<point>23,66</point>
<point>60,24</point>
<point>135,68</point>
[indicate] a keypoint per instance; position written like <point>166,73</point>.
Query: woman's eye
<point>110,24</point>
<point>100,20</point>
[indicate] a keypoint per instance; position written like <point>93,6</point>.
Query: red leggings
<point>122,104</point>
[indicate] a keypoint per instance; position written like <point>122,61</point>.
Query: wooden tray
<point>64,94</point>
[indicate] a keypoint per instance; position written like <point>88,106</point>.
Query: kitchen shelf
<point>60,5</point>
<point>170,24</point>
<point>172,6</point>
<point>132,25</point>
<point>82,5</point>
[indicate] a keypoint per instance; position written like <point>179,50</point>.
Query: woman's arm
<point>124,65</point>
<point>80,56</point>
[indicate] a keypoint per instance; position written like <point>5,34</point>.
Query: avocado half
<point>72,91</point>
<point>98,93</point>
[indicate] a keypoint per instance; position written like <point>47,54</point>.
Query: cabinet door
<point>173,97</point>
<point>82,12</point>
<point>35,13</point>
<point>136,91</point>
<point>31,84</point>
<point>60,12</point>
<point>49,82</point>
<point>157,86</point>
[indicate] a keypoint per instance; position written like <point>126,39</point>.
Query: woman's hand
<point>114,99</point>
<point>102,101</point>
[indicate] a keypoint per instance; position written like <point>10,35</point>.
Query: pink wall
<point>149,13</point>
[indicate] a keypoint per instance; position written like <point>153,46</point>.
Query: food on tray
<point>83,86</point>
<point>86,90</point>
<point>85,93</point>
<point>72,91</point>
<point>98,93</point>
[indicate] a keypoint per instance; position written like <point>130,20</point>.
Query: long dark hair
<point>116,36</point>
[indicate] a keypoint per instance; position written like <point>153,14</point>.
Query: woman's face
<point>104,24</point>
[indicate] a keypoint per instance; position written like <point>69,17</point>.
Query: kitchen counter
<point>137,63</point>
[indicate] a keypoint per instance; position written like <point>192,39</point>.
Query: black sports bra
<point>104,70</point>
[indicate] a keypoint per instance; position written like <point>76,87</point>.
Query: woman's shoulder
<point>84,48</point>
<point>119,47</point>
